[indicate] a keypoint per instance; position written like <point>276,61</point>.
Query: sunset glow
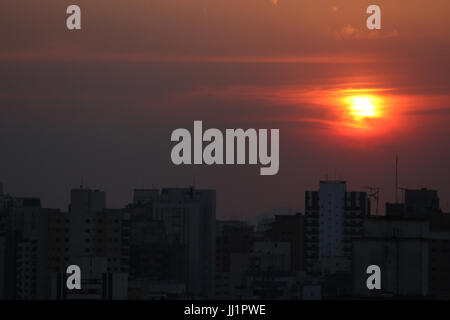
<point>103,100</point>
<point>362,107</point>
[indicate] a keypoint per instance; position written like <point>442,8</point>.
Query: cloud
<point>350,32</point>
<point>67,53</point>
<point>323,106</point>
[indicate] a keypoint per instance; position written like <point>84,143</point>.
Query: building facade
<point>334,217</point>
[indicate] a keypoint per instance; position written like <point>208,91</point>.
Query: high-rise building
<point>233,246</point>
<point>400,249</point>
<point>422,201</point>
<point>144,196</point>
<point>94,231</point>
<point>39,242</point>
<point>333,218</point>
<point>96,282</point>
<point>157,264</point>
<point>24,242</point>
<point>29,248</point>
<point>439,249</point>
<point>290,228</point>
<point>189,218</point>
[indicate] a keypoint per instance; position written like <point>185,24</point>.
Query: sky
<point>97,106</point>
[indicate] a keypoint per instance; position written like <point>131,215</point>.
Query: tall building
<point>96,282</point>
<point>53,247</point>
<point>28,248</point>
<point>40,242</point>
<point>23,248</point>
<point>290,228</point>
<point>4,235</point>
<point>401,249</point>
<point>189,218</point>
<point>233,247</point>
<point>422,201</point>
<point>270,275</point>
<point>94,231</point>
<point>439,249</point>
<point>142,197</point>
<point>157,264</point>
<point>334,217</point>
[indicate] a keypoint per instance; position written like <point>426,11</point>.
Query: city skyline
<point>169,244</point>
<point>224,154</point>
<point>375,202</point>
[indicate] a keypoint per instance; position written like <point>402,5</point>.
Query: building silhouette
<point>167,244</point>
<point>181,249</point>
<point>334,217</point>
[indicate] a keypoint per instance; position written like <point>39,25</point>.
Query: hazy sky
<point>98,105</point>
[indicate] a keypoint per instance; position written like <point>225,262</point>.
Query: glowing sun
<point>363,111</point>
<point>362,107</point>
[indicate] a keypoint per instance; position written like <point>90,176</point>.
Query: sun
<point>362,107</point>
<point>363,111</point>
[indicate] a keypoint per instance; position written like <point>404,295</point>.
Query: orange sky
<point>225,27</point>
<point>138,69</point>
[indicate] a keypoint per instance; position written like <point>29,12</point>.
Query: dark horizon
<point>280,209</point>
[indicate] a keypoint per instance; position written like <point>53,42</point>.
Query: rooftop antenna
<point>374,193</point>
<point>403,193</point>
<point>396,178</point>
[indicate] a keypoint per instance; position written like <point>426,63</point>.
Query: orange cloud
<point>350,32</point>
<point>67,52</point>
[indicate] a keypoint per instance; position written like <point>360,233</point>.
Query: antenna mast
<point>396,178</point>
<point>374,193</point>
